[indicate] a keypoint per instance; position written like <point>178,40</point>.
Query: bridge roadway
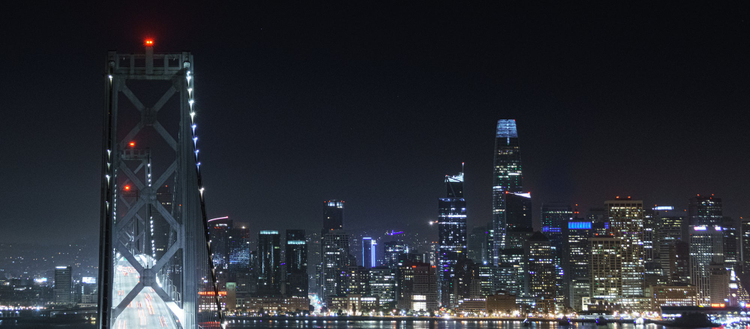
<point>146,310</point>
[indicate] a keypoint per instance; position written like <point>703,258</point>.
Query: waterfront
<point>364,324</point>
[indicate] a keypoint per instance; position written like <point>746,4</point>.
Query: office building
<point>518,224</point>
<point>745,242</point>
<point>63,285</point>
<point>706,250</point>
<point>369,246</point>
<point>507,178</point>
<point>296,263</point>
<point>555,216</point>
<point>335,260</point>
<point>605,265</point>
<point>418,288</point>
<point>731,243</point>
<point>383,286</point>
<point>576,261</point>
<point>626,223</point>
<point>451,235</point>
<point>705,210</point>
<point>333,215</point>
<point>269,263</point>
<point>393,253</point>
<point>540,268</point>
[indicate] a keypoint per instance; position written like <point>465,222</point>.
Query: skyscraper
<point>393,253</point>
<point>63,285</point>
<point>705,210</point>
<point>745,231</point>
<point>335,260</point>
<point>452,234</point>
<point>706,242</point>
<point>507,178</point>
<point>554,218</point>
<point>626,223</point>
<point>269,262</point>
<point>296,263</point>
<point>334,249</point>
<point>706,250</point>
<point>576,261</point>
<point>540,280</point>
<point>333,215</point>
<point>369,247</point>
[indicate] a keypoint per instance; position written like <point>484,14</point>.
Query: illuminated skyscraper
<point>576,261</point>
<point>606,262</point>
<point>705,210</point>
<point>507,178</point>
<point>452,234</point>
<point>296,263</point>
<point>63,285</point>
<point>540,280</point>
<point>335,260</point>
<point>745,231</point>
<point>626,223</point>
<point>554,217</point>
<point>369,246</point>
<point>333,215</point>
<point>706,250</point>
<point>269,263</point>
<point>393,253</point>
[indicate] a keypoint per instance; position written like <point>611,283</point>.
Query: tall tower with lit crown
<point>507,179</point>
<point>154,247</point>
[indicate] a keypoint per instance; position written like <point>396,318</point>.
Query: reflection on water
<point>344,324</point>
<point>388,324</point>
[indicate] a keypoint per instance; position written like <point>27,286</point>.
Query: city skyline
<point>605,93</point>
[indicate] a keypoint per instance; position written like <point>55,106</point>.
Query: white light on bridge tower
<point>154,266</point>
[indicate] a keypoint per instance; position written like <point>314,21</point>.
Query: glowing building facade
<point>507,178</point>
<point>626,224</point>
<point>451,234</point>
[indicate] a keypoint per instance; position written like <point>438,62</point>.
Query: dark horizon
<point>374,105</point>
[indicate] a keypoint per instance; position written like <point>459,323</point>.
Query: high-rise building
<point>230,246</point>
<point>745,241</point>
<point>296,263</point>
<point>540,268</point>
<point>706,249</point>
<point>554,219</point>
<point>269,263</point>
<point>477,245</point>
<point>576,262</point>
<point>705,210</point>
<point>518,226</point>
<point>393,253</point>
<point>335,261</point>
<point>369,247</point>
<point>451,235</point>
<point>606,262</point>
<point>669,230</point>
<point>63,285</point>
<point>333,215</point>
<point>626,223</point>
<point>356,281</point>
<point>383,285</point>
<point>679,263</point>
<point>417,287</point>
<point>731,243</point>
<point>507,178</point>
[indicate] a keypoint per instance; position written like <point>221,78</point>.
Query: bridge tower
<point>155,267</point>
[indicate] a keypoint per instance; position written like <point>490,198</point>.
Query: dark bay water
<point>344,324</point>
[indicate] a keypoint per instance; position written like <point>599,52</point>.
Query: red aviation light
<point>149,42</point>
<point>132,144</point>
<point>126,188</point>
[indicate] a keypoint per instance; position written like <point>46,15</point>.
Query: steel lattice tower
<point>154,266</point>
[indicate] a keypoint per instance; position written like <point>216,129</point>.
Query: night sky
<point>374,104</point>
